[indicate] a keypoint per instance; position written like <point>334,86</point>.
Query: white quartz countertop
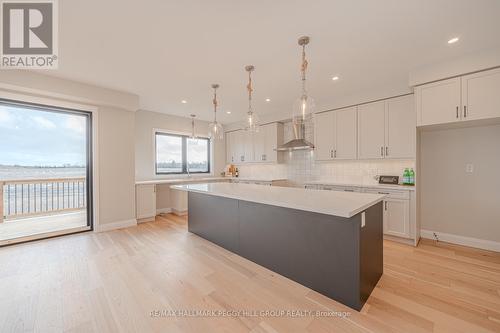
<point>366,185</point>
<point>180,180</point>
<point>343,204</point>
<point>258,179</point>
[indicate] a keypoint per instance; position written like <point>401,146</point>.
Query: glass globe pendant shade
<point>303,108</point>
<point>252,122</point>
<point>216,131</point>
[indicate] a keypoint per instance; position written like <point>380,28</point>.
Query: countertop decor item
<point>252,122</point>
<point>216,132</point>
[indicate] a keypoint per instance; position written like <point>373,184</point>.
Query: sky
<point>169,148</point>
<point>38,138</point>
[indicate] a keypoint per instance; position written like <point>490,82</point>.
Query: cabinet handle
<point>457,112</point>
<point>331,153</point>
<point>386,205</point>
<point>382,151</point>
<point>348,190</point>
<point>386,151</point>
<point>465,111</point>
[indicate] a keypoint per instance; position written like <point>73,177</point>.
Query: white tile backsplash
<point>300,166</point>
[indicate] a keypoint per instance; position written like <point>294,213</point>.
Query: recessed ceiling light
<point>228,112</point>
<point>184,101</point>
<point>268,99</point>
<point>453,40</point>
<point>335,78</point>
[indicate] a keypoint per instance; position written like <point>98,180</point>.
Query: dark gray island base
<point>332,255</point>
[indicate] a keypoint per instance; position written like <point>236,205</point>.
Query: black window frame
<point>184,139</point>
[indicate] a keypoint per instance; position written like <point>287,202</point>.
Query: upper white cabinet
<point>481,95</point>
<point>438,102</point>
<point>400,133</point>
<point>371,130</point>
<point>247,147</point>
<point>229,150</point>
<point>335,134</point>
<point>324,135</point>
<point>469,97</point>
<point>346,134</point>
<point>386,129</point>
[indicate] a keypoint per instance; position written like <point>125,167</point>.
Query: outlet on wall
<point>469,168</point>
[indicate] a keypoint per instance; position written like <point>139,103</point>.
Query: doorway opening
<point>45,171</point>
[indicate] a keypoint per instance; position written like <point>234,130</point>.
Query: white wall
<point>146,122</point>
<point>453,201</point>
<point>116,169</point>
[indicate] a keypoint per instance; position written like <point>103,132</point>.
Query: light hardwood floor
<point>112,281</point>
<point>15,230</point>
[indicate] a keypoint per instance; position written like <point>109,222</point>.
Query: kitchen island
<point>330,242</point>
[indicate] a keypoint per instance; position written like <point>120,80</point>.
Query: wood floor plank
<point>133,279</point>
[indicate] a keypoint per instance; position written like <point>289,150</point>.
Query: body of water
<point>21,173</point>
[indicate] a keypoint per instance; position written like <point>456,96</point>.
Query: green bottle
<point>412,177</point>
<point>406,177</point>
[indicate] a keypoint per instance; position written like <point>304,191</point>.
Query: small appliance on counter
<point>392,180</point>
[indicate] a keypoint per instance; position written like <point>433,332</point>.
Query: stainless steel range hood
<point>299,142</point>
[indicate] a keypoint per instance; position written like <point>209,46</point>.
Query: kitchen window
<point>180,154</point>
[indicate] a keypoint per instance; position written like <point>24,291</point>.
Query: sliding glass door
<point>45,171</point>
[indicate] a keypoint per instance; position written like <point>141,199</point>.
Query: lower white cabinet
<point>396,208</point>
<point>145,201</point>
<point>397,217</point>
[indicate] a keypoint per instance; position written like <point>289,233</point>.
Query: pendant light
<point>304,105</point>
<point>216,132</point>
<point>193,135</point>
<point>252,122</point>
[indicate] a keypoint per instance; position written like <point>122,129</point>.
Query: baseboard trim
<point>163,211</point>
<point>462,240</point>
<point>117,225</point>
<point>179,212</point>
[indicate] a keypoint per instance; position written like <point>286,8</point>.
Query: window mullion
<point>184,154</point>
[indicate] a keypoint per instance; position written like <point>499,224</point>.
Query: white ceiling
<point>167,51</point>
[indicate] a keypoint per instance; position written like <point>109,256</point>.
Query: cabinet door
<point>324,135</point>
<point>237,146</point>
<point>481,95</point>
<point>145,201</point>
<point>259,144</point>
<point>400,127</point>
<point>396,218</point>
<point>346,134</point>
<point>371,130</point>
<point>248,155</point>
<point>271,142</point>
<point>438,102</point>
<point>229,151</point>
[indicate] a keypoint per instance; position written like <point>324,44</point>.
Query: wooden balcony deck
<point>23,229</point>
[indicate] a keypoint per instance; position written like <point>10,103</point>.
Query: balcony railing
<point>31,197</point>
